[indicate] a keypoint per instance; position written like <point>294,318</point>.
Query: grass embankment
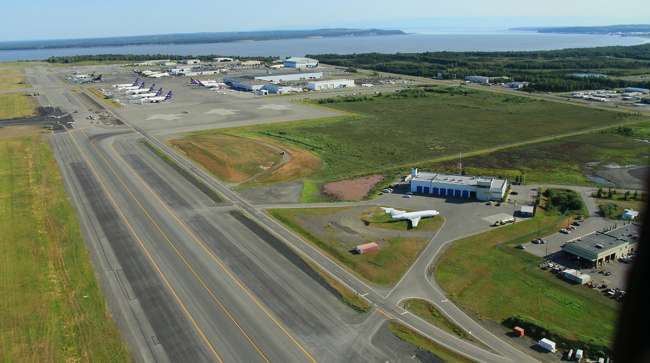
<point>488,276</point>
<point>384,267</point>
<point>562,161</point>
<point>237,157</point>
<point>52,308</point>
<point>428,312</point>
<point>101,98</point>
<point>378,218</point>
<point>408,335</point>
<point>348,296</point>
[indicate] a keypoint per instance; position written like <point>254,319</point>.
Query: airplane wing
<point>414,221</point>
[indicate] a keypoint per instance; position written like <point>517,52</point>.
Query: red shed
<point>367,248</point>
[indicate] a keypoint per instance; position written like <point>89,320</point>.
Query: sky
<point>56,19</point>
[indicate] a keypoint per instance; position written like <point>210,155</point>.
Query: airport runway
<point>194,278</point>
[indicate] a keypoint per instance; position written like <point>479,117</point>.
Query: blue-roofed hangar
<point>458,186</point>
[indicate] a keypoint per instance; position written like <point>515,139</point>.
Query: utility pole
<point>460,163</point>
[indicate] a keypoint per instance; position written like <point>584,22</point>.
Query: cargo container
<point>519,331</point>
<point>547,344</point>
<point>366,248</point>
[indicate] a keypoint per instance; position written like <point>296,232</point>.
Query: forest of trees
<point>545,70</point>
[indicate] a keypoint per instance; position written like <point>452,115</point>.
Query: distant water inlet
<point>506,41</point>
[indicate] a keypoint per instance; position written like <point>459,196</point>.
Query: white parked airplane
<point>157,99</point>
<point>413,217</point>
<point>147,95</point>
<point>123,85</point>
<point>141,90</point>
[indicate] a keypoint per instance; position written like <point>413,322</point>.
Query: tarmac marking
<point>215,258</point>
<point>184,259</point>
<point>146,251</point>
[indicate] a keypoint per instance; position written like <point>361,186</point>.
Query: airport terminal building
<point>458,186</point>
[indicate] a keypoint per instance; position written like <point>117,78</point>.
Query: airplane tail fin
<point>135,83</point>
<point>169,96</point>
<point>153,87</point>
<point>160,90</point>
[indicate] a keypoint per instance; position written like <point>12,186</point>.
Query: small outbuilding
<point>366,248</point>
<point>630,215</point>
<point>527,211</point>
<point>547,345</point>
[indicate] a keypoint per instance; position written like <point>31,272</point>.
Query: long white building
<point>300,62</point>
<point>458,186</point>
<point>330,84</point>
<point>288,77</point>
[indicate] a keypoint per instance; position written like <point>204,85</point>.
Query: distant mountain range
<point>193,38</point>
<point>629,30</point>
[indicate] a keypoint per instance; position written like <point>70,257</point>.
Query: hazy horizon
<point>123,18</point>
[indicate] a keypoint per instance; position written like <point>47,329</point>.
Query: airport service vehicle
<point>85,78</point>
<point>158,99</point>
<point>547,344</point>
<point>147,95</point>
<point>123,85</point>
<point>413,217</point>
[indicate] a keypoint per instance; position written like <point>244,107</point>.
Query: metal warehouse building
<point>330,84</point>
<point>597,248</point>
<point>287,77</point>
<point>458,186</point>
<point>300,62</point>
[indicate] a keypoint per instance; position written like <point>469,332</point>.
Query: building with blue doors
<point>458,186</point>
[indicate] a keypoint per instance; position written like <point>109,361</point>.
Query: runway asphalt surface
<point>192,279</point>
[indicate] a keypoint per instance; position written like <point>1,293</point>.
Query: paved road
<point>205,280</point>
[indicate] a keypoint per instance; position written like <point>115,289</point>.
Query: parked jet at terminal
<point>157,99</point>
<point>413,217</point>
<point>147,95</point>
<point>124,85</point>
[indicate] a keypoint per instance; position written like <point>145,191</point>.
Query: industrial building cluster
<point>599,248</point>
<point>293,74</point>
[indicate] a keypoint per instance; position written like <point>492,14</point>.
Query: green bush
<point>564,201</point>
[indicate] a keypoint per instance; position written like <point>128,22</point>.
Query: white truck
<point>547,344</point>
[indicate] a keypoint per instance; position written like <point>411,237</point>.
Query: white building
<point>477,79</point>
<point>192,61</point>
<point>288,77</point>
<point>281,89</point>
<point>300,62</point>
<point>330,84</point>
<point>458,186</point>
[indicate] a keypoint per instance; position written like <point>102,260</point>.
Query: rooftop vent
<point>599,246</point>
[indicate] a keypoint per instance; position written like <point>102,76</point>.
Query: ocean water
<point>415,42</point>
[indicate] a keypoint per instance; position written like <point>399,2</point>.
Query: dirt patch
<point>352,189</point>
<point>299,164</point>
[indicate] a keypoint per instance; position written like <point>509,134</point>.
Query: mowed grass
<point>15,105</point>
<point>389,132</point>
<point>253,159</point>
<point>51,308</point>
<point>428,312</point>
<point>442,353</point>
<point>384,267</point>
<point>488,276</point>
<point>562,161</point>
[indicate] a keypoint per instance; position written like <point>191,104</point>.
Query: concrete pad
<point>496,217</point>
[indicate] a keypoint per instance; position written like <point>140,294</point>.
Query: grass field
<point>412,130</point>
<point>101,98</point>
<point>11,78</point>
<point>418,128</point>
<point>378,218</point>
<point>488,276</point>
<point>15,105</point>
<point>428,312</point>
<point>51,308</point>
<point>384,267</point>
<point>562,161</point>
<point>408,335</point>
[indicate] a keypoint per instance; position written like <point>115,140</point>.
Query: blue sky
<point>50,19</point>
